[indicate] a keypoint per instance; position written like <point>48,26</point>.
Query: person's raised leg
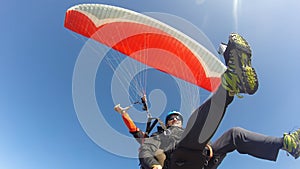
<point>240,77</point>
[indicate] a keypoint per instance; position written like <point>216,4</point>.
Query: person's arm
<point>147,153</point>
<point>133,129</point>
<point>129,123</point>
<point>126,118</point>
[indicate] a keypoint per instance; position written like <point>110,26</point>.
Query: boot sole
<point>242,53</point>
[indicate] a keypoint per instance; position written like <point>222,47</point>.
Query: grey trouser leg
<point>245,142</point>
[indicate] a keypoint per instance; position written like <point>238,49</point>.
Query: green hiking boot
<point>240,76</point>
<point>291,143</point>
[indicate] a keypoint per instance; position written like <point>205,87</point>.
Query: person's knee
<point>239,138</point>
<point>236,131</point>
<point>237,134</point>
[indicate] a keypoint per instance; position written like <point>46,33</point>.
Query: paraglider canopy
<point>148,41</point>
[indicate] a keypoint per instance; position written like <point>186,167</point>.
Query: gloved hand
<point>120,109</point>
<point>156,167</point>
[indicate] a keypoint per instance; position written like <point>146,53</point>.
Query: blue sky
<point>39,127</point>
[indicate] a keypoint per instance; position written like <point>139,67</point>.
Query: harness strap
<point>151,125</point>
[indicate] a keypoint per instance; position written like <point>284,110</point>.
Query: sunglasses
<point>175,117</point>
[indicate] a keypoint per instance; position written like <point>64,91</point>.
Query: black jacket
<point>166,141</point>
